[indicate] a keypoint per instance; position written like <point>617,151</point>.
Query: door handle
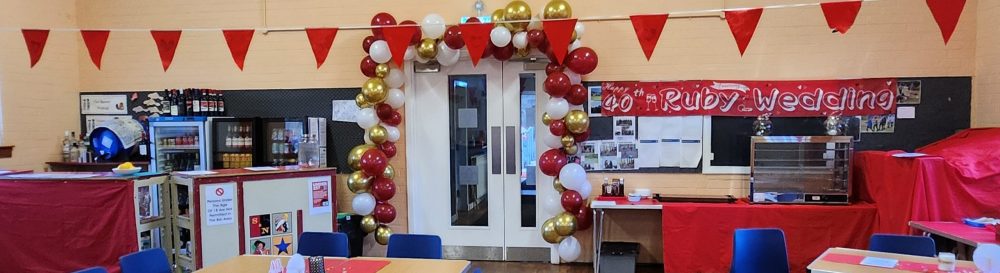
<point>495,148</point>
<point>511,158</point>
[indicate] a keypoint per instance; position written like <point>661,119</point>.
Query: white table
<point>598,208</point>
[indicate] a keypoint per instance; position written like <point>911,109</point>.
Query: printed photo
<point>594,101</point>
<point>260,225</point>
<point>281,223</point>
<point>282,245</point>
<point>145,202</point>
<point>908,92</point>
<point>609,148</point>
<point>320,194</point>
<point>878,124</point>
<point>590,162</point>
<point>260,246</point>
<point>628,155</point>
<point>624,128</point>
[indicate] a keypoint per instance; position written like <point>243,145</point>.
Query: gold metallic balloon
<point>374,90</point>
<point>378,134</point>
<point>368,224</point>
<point>381,70</point>
<point>565,224</point>
<point>358,182</point>
<point>577,121</point>
<point>522,52</point>
<point>546,119</point>
<point>517,10</point>
<point>558,9</point>
<point>567,141</point>
<point>361,101</point>
<point>571,149</point>
<point>549,232</point>
<point>571,40</point>
<point>382,234</point>
<point>497,18</point>
<point>389,172</point>
<point>558,185</point>
<point>427,48</point>
<point>354,156</point>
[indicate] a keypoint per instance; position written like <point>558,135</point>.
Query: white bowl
<point>634,197</point>
<point>126,171</point>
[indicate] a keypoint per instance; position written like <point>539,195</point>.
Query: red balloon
<point>504,53</point>
<point>472,20</point>
<point>394,120</point>
<point>552,56</point>
<point>383,111</point>
<point>453,37</point>
<point>535,38</point>
<point>388,148</point>
<point>582,60</point>
<point>383,189</point>
<point>488,51</point>
<point>577,95</point>
<point>581,137</point>
<point>416,34</point>
<point>552,161</point>
<point>584,218</point>
<point>382,19</point>
<point>368,66</point>
<point>373,162</point>
<point>384,213</point>
<point>571,201</point>
<point>553,68</point>
<point>557,127</point>
<point>366,44</point>
<point>557,84</point>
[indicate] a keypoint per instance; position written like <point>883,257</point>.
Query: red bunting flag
<point>398,38</point>
<point>476,37</point>
<point>321,39</point>
<point>840,16</point>
<point>239,43</point>
<point>166,44</point>
<point>946,13</point>
<point>743,23</point>
<point>648,29</point>
<point>558,33</point>
<point>35,40</point>
<point>95,40</point>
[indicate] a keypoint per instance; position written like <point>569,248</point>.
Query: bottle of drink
<point>165,103</point>
<point>215,103</point>
<point>172,99</point>
<point>196,102</point>
<point>189,102</point>
<point>249,138</point>
<point>66,145</point>
<point>222,103</point>
<point>205,110</point>
<point>229,136</point>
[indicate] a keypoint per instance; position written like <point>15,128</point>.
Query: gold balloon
<point>546,119</point>
<point>577,121</point>
<point>497,18</point>
<point>558,9</point>
<point>565,224</point>
<point>378,134</point>
<point>558,185</point>
<point>358,182</point>
<point>523,52</point>
<point>427,48</point>
<point>361,101</point>
<point>567,141</point>
<point>374,90</point>
<point>571,149</point>
<point>571,40</point>
<point>368,224</point>
<point>354,156</point>
<point>517,10</point>
<point>549,232</point>
<point>389,172</point>
<point>382,234</point>
<point>381,70</point>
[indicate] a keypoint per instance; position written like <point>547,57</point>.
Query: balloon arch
<point>513,31</point>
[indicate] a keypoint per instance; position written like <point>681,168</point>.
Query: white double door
<point>471,153</point>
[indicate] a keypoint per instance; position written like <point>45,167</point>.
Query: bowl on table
<point>632,197</point>
<point>125,172</point>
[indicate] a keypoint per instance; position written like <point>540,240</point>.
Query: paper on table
<point>690,147</point>
<point>879,262</point>
<point>649,141</point>
<point>259,169</point>
<point>196,172</point>
<point>670,142</point>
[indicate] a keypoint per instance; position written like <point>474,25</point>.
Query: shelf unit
<point>800,169</point>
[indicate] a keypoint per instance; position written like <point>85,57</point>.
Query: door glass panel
<point>468,145</point>
<point>177,148</point>
<point>528,154</point>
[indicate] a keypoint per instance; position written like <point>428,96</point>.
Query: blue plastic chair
<point>95,269</point>
<point>414,246</point>
<point>147,261</point>
<point>329,244</point>
<point>903,244</point>
<point>759,250</point>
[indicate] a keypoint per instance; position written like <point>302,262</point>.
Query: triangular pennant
<point>398,38</point>
<point>648,29</point>
<point>558,33</point>
<point>239,43</point>
<point>841,15</point>
<point>321,39</point>
<point>95,40</point>
<point>743,23</point>
<point>166,44</point>
<point>35,40</point>
<point>476,37</point>
<point>946,13</point>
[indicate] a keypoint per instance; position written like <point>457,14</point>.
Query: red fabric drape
<point>63,226</point>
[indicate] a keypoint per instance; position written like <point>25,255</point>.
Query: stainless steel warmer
<point>800,169</point>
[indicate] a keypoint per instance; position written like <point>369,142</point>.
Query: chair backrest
<point>95,269</point>
<point>414,246</point>
<point>330,244</point>
<point>759,250</point>
<point>147,261</point>
<point>903,244</point>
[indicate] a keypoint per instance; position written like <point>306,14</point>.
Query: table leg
<point>598,238</point>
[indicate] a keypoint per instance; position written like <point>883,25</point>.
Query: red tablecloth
<point>699,237</point>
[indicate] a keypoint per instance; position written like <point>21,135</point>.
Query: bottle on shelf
<point>189,103</point>
<point>196,102</point>
<point>165,103</point>
<point>173,103</point>
<point>229,136</point>
<point>66,145</point>
<point>222,103</point>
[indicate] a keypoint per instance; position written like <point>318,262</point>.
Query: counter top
<point>244,172</point>
<point>77,176</point>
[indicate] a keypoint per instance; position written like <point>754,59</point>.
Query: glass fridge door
<point>177,147</point>
<point>233,142</point>
<point>282,138</point>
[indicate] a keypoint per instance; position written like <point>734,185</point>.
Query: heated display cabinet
<point>800,169</point>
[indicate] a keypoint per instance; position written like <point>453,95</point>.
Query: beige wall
<point>38,103</point>
<point>986,89</point>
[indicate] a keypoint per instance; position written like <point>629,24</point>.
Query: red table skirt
<point>699,237</point>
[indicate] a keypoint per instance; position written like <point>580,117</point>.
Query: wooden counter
<point>58,166</point>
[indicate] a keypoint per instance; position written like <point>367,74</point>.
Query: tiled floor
<point>535,267</point>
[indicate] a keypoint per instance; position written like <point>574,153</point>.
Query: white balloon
<point>573,176</point>
<point>380,52</point>
<point>520,40</point>
<point>395,78</point>
<point>392,132</point>
<point>363,203</point>
<point>569,249</point>
<point>552,205</point>
<point>411,53</point>
<point>450,60</point>
<point>579,29</point>
<point>432,26</point>
<point>395,98</point>
<point>574,45</point>
<point>550,140</point>
<point>557,108</point>
<point>445,52</point>
<point>500,36</point>
<point>536,22</point>
<point>367,118</point>
<point>585,190</point>
<point>573,77</point>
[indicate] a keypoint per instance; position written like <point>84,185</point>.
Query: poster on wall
<point>608,155</point>
<point>908,92</point>
<point>588,156</point>
<point>260,246</point>
<point>878,124</point>
<point>594,101</point>
<point>319,195</point>
<point>219,204</point>
<point>344,110</point>
<point>104,104</point>
<point>624,128</point>
<point>93,121</point>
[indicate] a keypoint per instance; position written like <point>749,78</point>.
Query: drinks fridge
<point>178,144</point>
<point>235,143</point>
<point>282,138</point>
